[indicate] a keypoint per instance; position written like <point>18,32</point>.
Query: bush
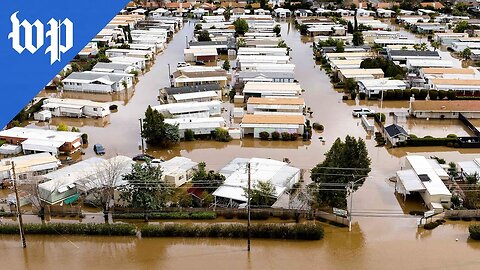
<point>474,231</point>
<point>275,136</point>
<point>380,117</point>
<point>433,94</point>
<point>167,215</point>
<point>222,135</point>
<point>269,231</point>
<point>454,136</point>
<point>318,126</point>
<point>264,135</point>
<point>254,215</point>
<point>294,136</point>
<point>432,225</point>
<point>442,94</point>
<point>407,93</point>
<point>285,136</point>
<point>286,216</point>
<point>229,215</point>
<point>429,141</point>
<point>71,228</point>
<point>189,135</point>
<point>362,95</point>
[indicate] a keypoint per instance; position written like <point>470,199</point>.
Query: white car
<point>182,64</point>
<point>362,111</point>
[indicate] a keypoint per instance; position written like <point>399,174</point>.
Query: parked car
<point>182,64</point>
<point>99,149</point>
<point>143,157</point>
<point>362,111</point>
<point>199,63</point>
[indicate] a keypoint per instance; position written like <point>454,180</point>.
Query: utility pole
<point>248,207</point>
<point>141,132</point>
<point>17,204</point>
<point>169,75</point>
<point>350,193</point>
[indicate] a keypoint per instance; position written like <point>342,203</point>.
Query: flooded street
<point>383,235</point>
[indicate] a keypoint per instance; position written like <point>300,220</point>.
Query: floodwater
<point>383,236</point>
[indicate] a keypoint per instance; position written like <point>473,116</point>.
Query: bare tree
<point>31,187</point>
<point>106,178</point>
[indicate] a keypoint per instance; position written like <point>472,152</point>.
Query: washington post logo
<point>59,34</point>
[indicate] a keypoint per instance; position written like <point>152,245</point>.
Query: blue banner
<point>38,38</point>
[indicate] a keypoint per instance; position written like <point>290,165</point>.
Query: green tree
<point>226,65</point>
<point>62,127</point>
<point>461,27</point>
<point>349,27</point>
<point>204,36</point>
<point>222,135</point>
<point>277,30</point>
<point>227,14</point>
<point>339,47</point>
<point>210,180</point>
<point>436,45</point>
<point>198,27</point>
<point>344,162</point>
<point>466,53</point>
<point>420,47</point>
<point>145,189</point>
<point>389,68</point>
<point>189,135</point>
<point>262,194</point>
<point>156,132</point>
<point>241,27</point>
<point>357,38</point>
<point>303,29</point>
<point>241,42</point>
<point>350,85</point>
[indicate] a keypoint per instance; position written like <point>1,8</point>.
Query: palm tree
<point>436,45</point>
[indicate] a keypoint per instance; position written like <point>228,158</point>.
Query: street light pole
<point>248,207</point>
<point>141,134</point>
<point>17,204</point>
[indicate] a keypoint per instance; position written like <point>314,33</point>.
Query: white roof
<point>428,63</point>
<point>192,123</point>
<point>77,103</point>
<point>280,174</point>
<point>470,167</point>
<point>86,174</point>
<point>41,134</point>
<point>177,165</point>
<point>188,106</point>
<point>271,86</point>
<point>30,162</point>
<point>410,181</point>
<point>187,96</point>
<point>382,84</point>
<point>421,165</point>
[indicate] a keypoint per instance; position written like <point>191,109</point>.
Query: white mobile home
<point>75,108</point>
<point>97,82</point>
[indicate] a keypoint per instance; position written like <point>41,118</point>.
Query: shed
<point>396,134</point>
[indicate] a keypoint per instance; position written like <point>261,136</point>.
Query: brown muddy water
<point>383,237</point>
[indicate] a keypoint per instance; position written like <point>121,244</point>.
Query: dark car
<point>143,157</point>
<point>199,63</point>
<point>99,149</point>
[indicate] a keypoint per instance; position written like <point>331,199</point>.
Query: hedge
<point>69,228</point>
<point>167,215</point>
<point>270,231</point>
<point>474,231</point>
<point>431,141</point>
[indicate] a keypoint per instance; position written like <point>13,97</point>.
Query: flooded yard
<point>436,127</point>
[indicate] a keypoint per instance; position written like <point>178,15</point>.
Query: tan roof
<point>276,101</point>
<point>456,82</point>
<point>273,119</point>
<point>199,74</point>
<point>447,105</point>
<point>448,71</point>
<point>435,5</point>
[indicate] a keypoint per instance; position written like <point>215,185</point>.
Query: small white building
<point>190,109</point>
<point>424,176</point>
<point>97,82</point>
<point>68,183</point>
<point>178,170</point>
<point>470,168</point>
<point>376,86</point>
<point>276,105</point>
<point>199,126</point>
<point>262,51</point>
<point>257,123</point>
<point>232,192</point>
<point>264,89</point>
<point>75,108</point>
<point>28,166</point>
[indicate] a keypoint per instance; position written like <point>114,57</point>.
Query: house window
<point>94,109</point>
